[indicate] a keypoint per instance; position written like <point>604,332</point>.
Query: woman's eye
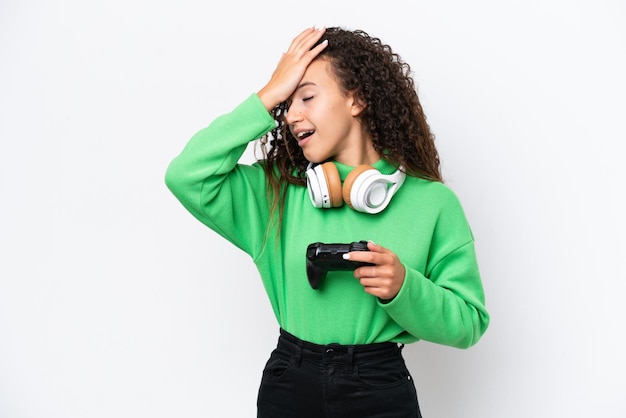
<point>306,99</point>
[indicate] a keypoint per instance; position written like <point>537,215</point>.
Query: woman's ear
<point>357,105</point>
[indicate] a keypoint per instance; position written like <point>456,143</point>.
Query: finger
<point>368,284</point>
<point>376,271</point>
<point>372,246</point>
<point>295,43</point>
<point>369,272</point>
<point>372,287</point>
<point>375,256</point>
<point>305,40</point>
<point>362,256</point>
<point>379,287</point>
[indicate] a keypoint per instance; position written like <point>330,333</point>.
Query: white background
<point>115,302</point>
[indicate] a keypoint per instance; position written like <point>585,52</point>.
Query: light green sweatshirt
<point>441,299</point>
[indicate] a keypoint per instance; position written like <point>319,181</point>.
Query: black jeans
<point>305,380</point>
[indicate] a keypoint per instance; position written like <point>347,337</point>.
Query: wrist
<point>269,100</point>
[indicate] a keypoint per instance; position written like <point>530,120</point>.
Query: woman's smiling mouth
<point>303,136</point>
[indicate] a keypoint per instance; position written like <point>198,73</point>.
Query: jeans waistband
<point>335,352</point>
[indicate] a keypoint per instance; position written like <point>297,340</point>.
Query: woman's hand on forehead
<point>291,67</point>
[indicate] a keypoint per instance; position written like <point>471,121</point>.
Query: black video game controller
<point>322,258</point>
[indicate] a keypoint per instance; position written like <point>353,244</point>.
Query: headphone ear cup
<point>333,183</point>
<point>365,189</point>
<point>351,179</point>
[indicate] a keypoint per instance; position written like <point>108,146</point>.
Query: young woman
<point>348,157</point>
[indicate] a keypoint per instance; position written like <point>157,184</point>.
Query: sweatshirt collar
<point>384,166</point>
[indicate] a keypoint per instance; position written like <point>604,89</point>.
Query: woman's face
<point>325,121</point>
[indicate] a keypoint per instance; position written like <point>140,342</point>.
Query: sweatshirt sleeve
<point>446,303</point>
<point>205,177</point>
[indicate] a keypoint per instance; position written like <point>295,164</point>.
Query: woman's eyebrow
<point>305,84</point>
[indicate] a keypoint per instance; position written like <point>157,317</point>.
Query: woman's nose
<point>293,115</point>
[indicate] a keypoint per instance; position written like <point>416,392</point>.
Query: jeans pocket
<point>276,367</point>
<point>383,373</point>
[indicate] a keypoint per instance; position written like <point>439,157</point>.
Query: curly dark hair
<point>393,115</point>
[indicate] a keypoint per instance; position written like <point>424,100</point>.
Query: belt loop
<point>350,359</point>
<point>298,356</point>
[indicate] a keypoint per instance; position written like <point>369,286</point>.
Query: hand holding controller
<point>322,258</point>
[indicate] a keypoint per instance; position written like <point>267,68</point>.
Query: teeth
<point>301,134</point>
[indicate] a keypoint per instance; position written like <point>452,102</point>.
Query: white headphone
<point>365,188</point>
